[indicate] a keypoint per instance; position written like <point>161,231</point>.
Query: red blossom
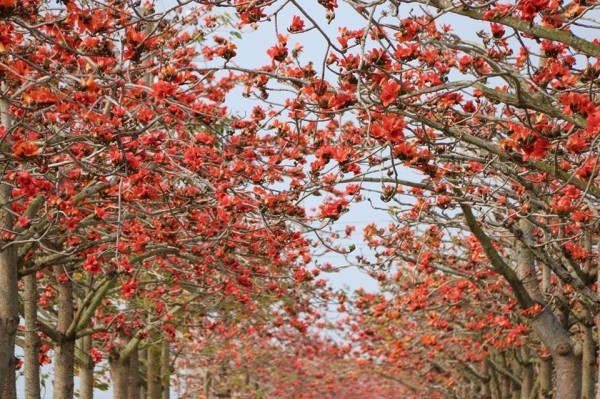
<point>129,288</point>
<point>92,265</point>
<point>96,355</point>
<point>297,24</point>
<point>389,92</point>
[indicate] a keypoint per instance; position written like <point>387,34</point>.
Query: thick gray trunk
<point>153,369</point>
<point>64,360</point>
<point>9,291</point>
<point>515,391</point>
<point>10,388</point>
<point>567,364</point>
<point>486,391</point>
<point>8,327</point>
<point>119,371</point>
<point>505,387</point>
<point>143,359</point>
<point>547,326</point>
<point>588,378</point>
<point>545,378</point>
<point>9,301</point>
<point>165,370</point>
<point>568,377</point>
<point>135,378</point>
<point>120,368</point>
<point>86,371</point>
<point>527,372</point>
<point>32,341</point>
<point>545,371</point>
<point>9,321</point>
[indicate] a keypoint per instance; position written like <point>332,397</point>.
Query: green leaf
<point>236,34</point>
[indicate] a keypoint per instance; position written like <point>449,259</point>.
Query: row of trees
<point>133,209</point>
<point>140,217</point>
<point>489,268</point>
<point>288,364</point>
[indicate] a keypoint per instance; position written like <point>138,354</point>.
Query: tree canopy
<point>167,200</point>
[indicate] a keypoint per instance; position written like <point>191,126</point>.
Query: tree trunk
<point>515,391</point>
<point>119,371</point>
<point>135,379</point>
<point>525,267</point>
<point>143,361</point>
<point>588,378</point>
<point>505,385</point>
<point>547,326</point>
<point>120,368</point>
<point>568,376</point>
<point>86,371</point>
<point>486,392</point>
<point>545,373</point>
<point>9,291</point>
<point>64,360</point>
<point>207,383</point>
<point>567,364</point>
<point>10,388</point>
<point>516,370</point>
<point>527,371</point>
<point>546,377</point>
<point>32,340</point>
<point>165,370</point>
<point>153,369</point>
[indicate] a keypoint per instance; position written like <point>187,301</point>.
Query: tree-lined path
<point>173,210</point>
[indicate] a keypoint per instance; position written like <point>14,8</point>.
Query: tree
<point>460,330</point>
<point>502,133</point>
<point>123,168</point>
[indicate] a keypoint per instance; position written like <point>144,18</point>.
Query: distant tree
<point>280,363</point>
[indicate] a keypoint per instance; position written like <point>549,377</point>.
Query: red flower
<point>92,265</point>
<point>96,355</point>
<point>333,209</point>
<point>538,150</point>
<point>128,289</point>
<point>297,24</point>
<point>497,30</point>
<point>23,221</point>
<point>389,92</point>
<point>593,123</point>
<point>278,53</point>
<point>329,4</point>
<point>162,89</point>
<point>25,149</point>
<point>576,143</point>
